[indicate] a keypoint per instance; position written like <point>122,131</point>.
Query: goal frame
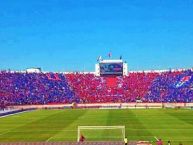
<point>100,128</point>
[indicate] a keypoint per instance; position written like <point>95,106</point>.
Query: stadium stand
<point>172,87</point>
<point>55,88</point>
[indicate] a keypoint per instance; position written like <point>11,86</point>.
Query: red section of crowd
<point>92,89</point>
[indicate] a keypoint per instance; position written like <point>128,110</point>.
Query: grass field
<point>61,125</point>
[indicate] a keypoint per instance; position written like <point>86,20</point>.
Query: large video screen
<point>111,68</point>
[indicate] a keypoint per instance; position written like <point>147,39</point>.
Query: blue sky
<point>69,35</point>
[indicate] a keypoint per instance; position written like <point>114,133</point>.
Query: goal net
<point>101,133</point>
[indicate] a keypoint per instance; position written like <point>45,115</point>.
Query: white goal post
<point>94,129</point>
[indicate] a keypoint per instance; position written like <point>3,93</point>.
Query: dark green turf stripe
<point>135,130</point>
<point>141,124</point>
<point>183,115</point>
<point>27,129</point>
<point>15,121</point>
<point>165,126</point>
<point>32,131</point>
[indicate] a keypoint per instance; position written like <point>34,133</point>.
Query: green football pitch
<point>175,125</point>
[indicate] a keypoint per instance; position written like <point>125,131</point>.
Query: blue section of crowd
<point>33,88</point>
<point>172,87</point>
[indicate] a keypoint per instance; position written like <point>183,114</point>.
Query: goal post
<point>101,133</point>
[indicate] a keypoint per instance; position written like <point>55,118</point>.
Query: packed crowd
<point>33,88</point>
<point>91,89</point>
<point>172,87</point>
<point>47,88</point>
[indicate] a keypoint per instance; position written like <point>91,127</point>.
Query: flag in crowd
<point>183,81</point>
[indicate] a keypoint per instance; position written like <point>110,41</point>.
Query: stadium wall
<point>107,106</point>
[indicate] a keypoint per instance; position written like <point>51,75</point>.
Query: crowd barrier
<point>107,106</point>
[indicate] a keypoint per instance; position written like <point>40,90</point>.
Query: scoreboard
<point>111,69</point>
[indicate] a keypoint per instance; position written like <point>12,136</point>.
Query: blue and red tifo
<point>54,88</point>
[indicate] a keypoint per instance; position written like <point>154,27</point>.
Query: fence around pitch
<point>105,105</point>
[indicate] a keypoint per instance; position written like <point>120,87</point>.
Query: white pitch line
<point>156,138</point>
<point>49,138</point>
<point>11,115</point>
<point>5,132</point>
<point>15,113</point>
